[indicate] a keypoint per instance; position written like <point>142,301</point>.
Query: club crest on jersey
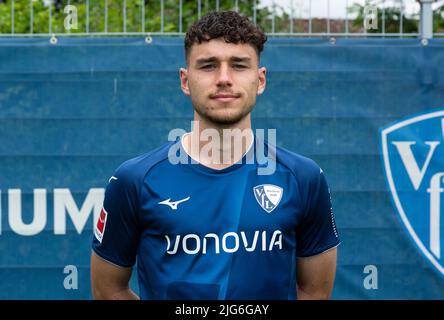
<point>99,230</point>
<point>268,196</point>
<point>413,155</point>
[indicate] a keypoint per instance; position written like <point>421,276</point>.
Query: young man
<point>213,227</point>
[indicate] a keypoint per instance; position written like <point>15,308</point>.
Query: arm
<point>109,281</point>
<point>316,275</point>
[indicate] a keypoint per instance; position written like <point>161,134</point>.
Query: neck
<point>218,146</point>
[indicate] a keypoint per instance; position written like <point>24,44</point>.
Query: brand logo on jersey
<point>229,243</point>
<point>413,154</point>
<point>173,204</point>
<point>268,196</point>
<point>100,226</point>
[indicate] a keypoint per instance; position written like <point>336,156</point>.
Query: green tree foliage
<point>115,15</point>
<point>392,17</point>
<point>438,20</point>
<point>126,16</point>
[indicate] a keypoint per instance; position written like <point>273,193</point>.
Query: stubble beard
<point>223,118</point>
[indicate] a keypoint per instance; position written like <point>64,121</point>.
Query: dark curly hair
<point>229,25</point>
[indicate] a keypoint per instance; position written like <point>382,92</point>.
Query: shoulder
<point>304,169</point>
<point>134,170</point>
<point>308,176</point>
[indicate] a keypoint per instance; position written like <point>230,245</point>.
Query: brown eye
<point>208,66</point>
<point>239,66</point>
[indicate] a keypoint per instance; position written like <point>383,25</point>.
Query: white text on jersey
<point>194,244</point>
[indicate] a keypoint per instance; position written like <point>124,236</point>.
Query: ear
<point>183,73</point>
<point>262,80</point>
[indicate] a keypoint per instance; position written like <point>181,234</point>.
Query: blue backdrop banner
<point>369,111</point>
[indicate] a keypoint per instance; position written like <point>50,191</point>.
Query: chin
<point>225,119</point>
<point>225,115</point>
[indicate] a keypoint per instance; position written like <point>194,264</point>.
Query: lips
<point>224,97</point>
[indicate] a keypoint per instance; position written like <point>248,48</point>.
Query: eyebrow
<point>214,59</point>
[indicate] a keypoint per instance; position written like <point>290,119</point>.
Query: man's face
<point>223,80</point>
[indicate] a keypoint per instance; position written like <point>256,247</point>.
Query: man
<point>208,228</point>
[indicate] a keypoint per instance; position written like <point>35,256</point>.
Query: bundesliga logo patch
<point>268,196</point>
<point>413,154</point>
<point>100,226</point>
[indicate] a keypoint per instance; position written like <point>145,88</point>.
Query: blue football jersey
<point>202,233</point>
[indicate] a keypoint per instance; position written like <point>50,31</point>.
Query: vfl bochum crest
<point>413,154</point>
<point>268,196</point>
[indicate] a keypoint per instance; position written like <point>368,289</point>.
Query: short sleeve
<point>317,231</point>
<point>117,231</point>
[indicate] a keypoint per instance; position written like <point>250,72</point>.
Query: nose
<point>224,76</point>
